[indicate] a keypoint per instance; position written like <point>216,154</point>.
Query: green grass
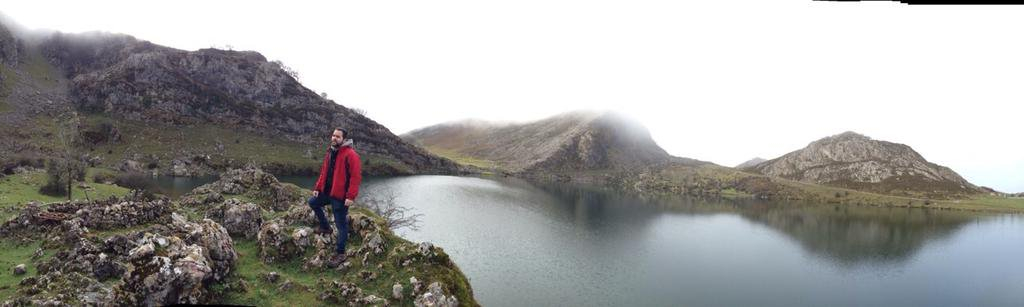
<point>372,162</point>
<point>41,70</point>
<point>22,188</point>
<point>463,159</point>
<point>167,142</point>
<point>12,254</point>
<point>262,293</point>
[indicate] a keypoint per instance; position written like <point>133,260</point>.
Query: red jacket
<point>338,189</point>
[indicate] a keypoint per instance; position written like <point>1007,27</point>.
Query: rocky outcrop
<point>170,263</point>
<point>269,193</point>
<point>239,218</point>
<point>855,161</point>
<point>177,269</point>
<point>373,251</point>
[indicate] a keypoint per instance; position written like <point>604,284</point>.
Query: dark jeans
<point>340,217</point>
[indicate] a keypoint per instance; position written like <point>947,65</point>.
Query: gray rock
<point>272,277</point>
<point>275,244</point>
<point>192,256</point>
<point>396,291</point>
<point>416,284</point>
<point>436,296</point>
<point>286,286</point>
<point>376,243</point>
<point>240,219</point>
<point>19,269</point>
<point>131,166</point>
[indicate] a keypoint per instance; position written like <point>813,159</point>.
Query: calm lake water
<point>522,244</point>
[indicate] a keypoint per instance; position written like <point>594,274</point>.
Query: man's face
<point>336,138</point>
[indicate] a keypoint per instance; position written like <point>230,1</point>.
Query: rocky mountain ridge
<point>856,161</point>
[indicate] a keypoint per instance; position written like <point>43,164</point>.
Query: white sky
<point>722,81</point>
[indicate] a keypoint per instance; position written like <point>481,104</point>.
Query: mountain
<point>751,162</point>
<point>184,108</point>
<point>570,142</point>
<point>855,161</point>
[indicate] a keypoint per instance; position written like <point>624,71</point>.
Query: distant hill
<point>570,142</point>
<point>176,109</point>
<point>854,161</point>
<point>751,162</point>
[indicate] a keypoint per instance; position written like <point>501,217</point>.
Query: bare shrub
<point>395,215</point>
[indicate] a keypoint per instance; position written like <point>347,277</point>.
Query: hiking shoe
<point>323,231</point>
<point>336,260</point>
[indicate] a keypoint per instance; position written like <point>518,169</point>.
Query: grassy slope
<point>18,189</point>
<point>162,143</point>
<point>463,159</point>
<point>168,142</point>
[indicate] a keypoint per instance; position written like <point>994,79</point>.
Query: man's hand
<point>349,203</point>
<point>316,193</point>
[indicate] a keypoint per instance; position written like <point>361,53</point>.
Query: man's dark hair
<point>344,133</point>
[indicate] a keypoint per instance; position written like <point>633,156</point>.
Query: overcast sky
<point>722,81</point>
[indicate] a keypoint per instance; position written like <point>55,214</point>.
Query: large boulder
<point>165,270</point>
<point>276,244</point>
<point>177,268</point>
<point>239,218</point>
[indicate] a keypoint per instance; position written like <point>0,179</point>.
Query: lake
<point>524,244</point>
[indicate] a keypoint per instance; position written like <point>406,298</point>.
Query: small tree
<point>67,166</point>
<point>396,216</point>
<point>288,70</point>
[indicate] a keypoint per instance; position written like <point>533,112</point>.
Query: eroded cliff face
<point>856,161</point>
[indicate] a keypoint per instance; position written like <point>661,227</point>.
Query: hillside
<point>570,142</point>
<point>180,112</point>
<point>854,161</point>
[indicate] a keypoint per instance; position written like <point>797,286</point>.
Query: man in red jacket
<point>338,185</point>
